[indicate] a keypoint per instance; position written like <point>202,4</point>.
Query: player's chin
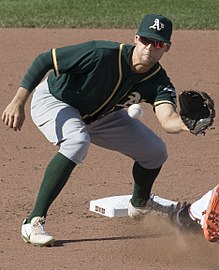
<point>148,60</point>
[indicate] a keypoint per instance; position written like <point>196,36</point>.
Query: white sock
<point>198,207</point>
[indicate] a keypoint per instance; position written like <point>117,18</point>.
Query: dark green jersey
<point>95,77</point>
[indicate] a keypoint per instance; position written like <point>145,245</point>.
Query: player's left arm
<point>169,119</point>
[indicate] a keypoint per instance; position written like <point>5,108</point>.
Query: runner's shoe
<point>211,218</point>
<point>35,234</point>
<point>180,218</point>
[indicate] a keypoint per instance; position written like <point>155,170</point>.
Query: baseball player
<point>84,99</point>
<point>201,215</point>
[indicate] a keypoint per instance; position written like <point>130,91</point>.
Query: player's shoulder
<point>105,49</point>
<point>106,44</point>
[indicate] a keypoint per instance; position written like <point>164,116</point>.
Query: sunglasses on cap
<point>155,43</point>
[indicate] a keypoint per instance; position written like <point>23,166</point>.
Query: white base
<point>117,206</point>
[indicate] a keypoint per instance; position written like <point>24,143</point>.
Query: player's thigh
<point>60,123</point>
<point>118,132</point>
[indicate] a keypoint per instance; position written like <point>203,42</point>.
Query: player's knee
<point>163,152</point>
<point>75,148</point>
<point>156,156</point>
<point>159,155</point>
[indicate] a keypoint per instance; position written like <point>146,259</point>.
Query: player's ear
<point>136,37</point>
<point>167,47</point>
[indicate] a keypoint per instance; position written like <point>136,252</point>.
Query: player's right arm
<point>14,114</point>
<point>61,61</point>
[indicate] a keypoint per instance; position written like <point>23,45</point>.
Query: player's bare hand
<point>14,114</point>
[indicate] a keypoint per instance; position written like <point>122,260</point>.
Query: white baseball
<point>135,111</point>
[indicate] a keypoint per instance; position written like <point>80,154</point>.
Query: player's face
<point>149,51</point>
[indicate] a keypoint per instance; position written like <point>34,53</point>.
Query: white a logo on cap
<point>157,25</point>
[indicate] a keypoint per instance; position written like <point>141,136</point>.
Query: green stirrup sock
<point>144,179</point>
<point>55,177</point>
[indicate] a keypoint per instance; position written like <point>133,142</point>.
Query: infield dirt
<point>86,240</point>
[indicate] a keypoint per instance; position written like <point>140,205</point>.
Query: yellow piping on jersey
<point>162,102</point>
<point>116,87</point>
<point>55,63</point>
<point>142,80</point>
<point>151,75</point>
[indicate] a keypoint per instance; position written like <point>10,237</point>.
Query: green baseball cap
<point>157,27</point>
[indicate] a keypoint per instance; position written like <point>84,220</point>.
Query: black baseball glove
<point>196,110</point>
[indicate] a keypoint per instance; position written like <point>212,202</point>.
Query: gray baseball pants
<point>63,126</point>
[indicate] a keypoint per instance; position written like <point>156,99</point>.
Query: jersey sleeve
<point>75,58</point>
<point>165,94</point>
<point>37,70</point>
